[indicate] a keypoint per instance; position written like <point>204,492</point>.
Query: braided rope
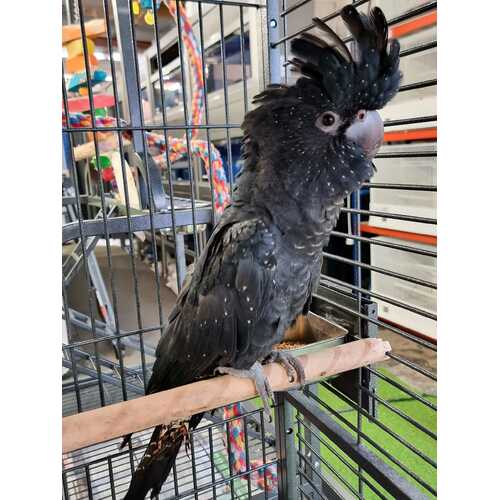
<point>265,478</point>
<point>195,60</point>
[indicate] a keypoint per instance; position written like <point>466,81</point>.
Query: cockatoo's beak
<point>367,130</point>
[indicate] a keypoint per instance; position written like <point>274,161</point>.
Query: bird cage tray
<point>312,333</point>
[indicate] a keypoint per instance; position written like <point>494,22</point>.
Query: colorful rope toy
<point>194,55</point>
<point>177,148</point>
<point>265,478</point>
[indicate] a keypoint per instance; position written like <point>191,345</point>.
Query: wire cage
<point>151,150</point>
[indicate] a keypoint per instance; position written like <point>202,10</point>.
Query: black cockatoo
<point>306,147</point>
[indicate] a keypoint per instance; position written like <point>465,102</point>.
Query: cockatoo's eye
<point>361,115</point>
<point>327,122</point>
<point>328,119</point>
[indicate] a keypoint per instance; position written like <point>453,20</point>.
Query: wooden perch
<point>87,150</point>
<point>96,426</point>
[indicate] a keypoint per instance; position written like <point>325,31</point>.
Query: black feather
<point>338,42</point>
<point>365,77</point>
<point>159,458</point>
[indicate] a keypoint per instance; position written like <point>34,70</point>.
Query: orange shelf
<point>417,134</point>
<point>400,235</point>
<point>414,25</point>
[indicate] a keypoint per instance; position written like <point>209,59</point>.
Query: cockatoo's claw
<point>291,364</point>
<point>255,373</point>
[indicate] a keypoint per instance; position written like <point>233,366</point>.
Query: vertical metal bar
<point>207,120</point>
<point>263,441</point>
<point>180,257</point>
<point>131,102</point>
<point>369,402</point>
<point>180,276</point>
<point>176,480</point>
<point>212,465</point>
<point>313,444</point>
<point>247,458</point>
<point>126,190</point>
<point>163,252</point>
<point>65,486</point>
<point>355,228</point>
<point>192,177</point>
<point>300,433</point>
<point>229,154</point>
<point>243,62</point>
<point>285,448</point>
<point>149,85</point>
<point>67,11</point>
<point>126,34</point>
<point>74,370</point>
<point>273,36</point>
<point>89,482</point>
<point>73,363</point>
<point>229,459</point>
<point>284,22</point>
<point>357,281</point>
<point>111,478</point>
<point>151,170</point>
<point>98,284</point>
<point>193,465</point>
<point>263,49</point>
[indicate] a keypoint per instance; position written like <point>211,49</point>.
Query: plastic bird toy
<point>104,165</point>
<point>75,63</point>
<point>78,82</point>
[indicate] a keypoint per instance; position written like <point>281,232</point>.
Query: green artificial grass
<point>398,425</point>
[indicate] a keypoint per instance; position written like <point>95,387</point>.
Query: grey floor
<point>134,308</point>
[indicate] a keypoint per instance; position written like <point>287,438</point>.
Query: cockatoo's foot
<point>255,373</point>
<point>291,364</point>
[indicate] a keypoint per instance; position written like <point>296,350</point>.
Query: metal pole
<point>273,36</point>
<point>285,448</point>
<point>313,445</point>
<point>131,98</point>
<point>285,439</point>
<point>181,256</point>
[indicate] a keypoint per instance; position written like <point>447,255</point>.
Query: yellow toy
<point>147,6</point>
<point>76,57</point>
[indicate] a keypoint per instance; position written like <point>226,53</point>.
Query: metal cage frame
<point>306,426</point>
